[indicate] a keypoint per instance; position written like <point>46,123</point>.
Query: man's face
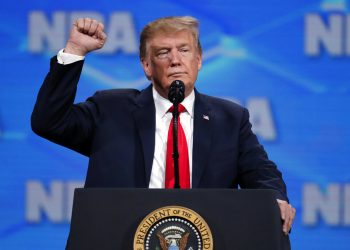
<point>172,57</point>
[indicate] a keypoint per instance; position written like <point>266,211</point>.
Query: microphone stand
<point>175,144</point>
<point>176,95</point>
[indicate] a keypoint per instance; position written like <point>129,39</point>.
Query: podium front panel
<point>107,219</point>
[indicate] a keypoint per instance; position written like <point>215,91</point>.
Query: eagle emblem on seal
<point>173,238</point>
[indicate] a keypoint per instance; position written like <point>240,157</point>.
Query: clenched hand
<point>86,35</point>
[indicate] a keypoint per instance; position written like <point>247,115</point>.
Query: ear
<point>199,60</point>
<point>146,68</point>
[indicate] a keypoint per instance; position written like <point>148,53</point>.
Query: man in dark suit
<point>124,132</point>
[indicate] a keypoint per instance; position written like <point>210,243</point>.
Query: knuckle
<point>79,21</point>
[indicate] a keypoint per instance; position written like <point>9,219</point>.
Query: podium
<point>106,219</point>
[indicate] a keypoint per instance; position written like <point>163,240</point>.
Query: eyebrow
<point>160,47</point>
<point>157,48</point>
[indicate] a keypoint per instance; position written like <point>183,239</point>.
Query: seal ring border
<point>180,215</point>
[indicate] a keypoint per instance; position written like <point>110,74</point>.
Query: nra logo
<point>50,32</point>
<point>328,30</point>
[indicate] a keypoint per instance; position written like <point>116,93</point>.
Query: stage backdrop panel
<point>286,61</point>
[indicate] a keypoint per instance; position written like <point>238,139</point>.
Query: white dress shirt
<point>163,119</point>
<point>66,58</point>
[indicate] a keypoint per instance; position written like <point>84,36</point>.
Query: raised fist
<point>86,35</point>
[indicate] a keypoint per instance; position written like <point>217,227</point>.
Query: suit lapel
<point>201,138</point>
<point>145,119</point>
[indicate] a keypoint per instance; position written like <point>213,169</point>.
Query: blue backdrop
<point>286,61</point>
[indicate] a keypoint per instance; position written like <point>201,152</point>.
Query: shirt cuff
<point>66,58</point>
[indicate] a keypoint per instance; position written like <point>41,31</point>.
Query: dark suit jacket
<point>116,130</point>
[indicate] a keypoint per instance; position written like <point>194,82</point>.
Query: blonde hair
<point>167,25</point>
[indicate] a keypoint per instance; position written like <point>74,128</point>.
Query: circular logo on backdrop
<point>173,228</point>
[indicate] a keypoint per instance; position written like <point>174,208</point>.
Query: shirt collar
<point>163,105</point>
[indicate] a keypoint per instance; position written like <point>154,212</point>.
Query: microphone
<point>176,95</point>
<point>176,92</point>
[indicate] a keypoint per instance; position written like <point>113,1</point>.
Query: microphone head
<point>176,92</point>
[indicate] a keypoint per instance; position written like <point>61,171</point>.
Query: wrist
<point>73,49</point>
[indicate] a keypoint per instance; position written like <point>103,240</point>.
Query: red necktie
<point>184,166</point>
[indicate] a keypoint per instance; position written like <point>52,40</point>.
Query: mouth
<point>177,74</point>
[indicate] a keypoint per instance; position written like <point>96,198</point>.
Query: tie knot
<point>181,108</point>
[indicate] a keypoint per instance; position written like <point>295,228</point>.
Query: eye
<point>184,50</point>
<point>162,53</point>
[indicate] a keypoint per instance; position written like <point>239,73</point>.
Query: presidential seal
<point>173,228</point>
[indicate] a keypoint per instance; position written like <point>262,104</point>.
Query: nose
<point>175,58</point>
